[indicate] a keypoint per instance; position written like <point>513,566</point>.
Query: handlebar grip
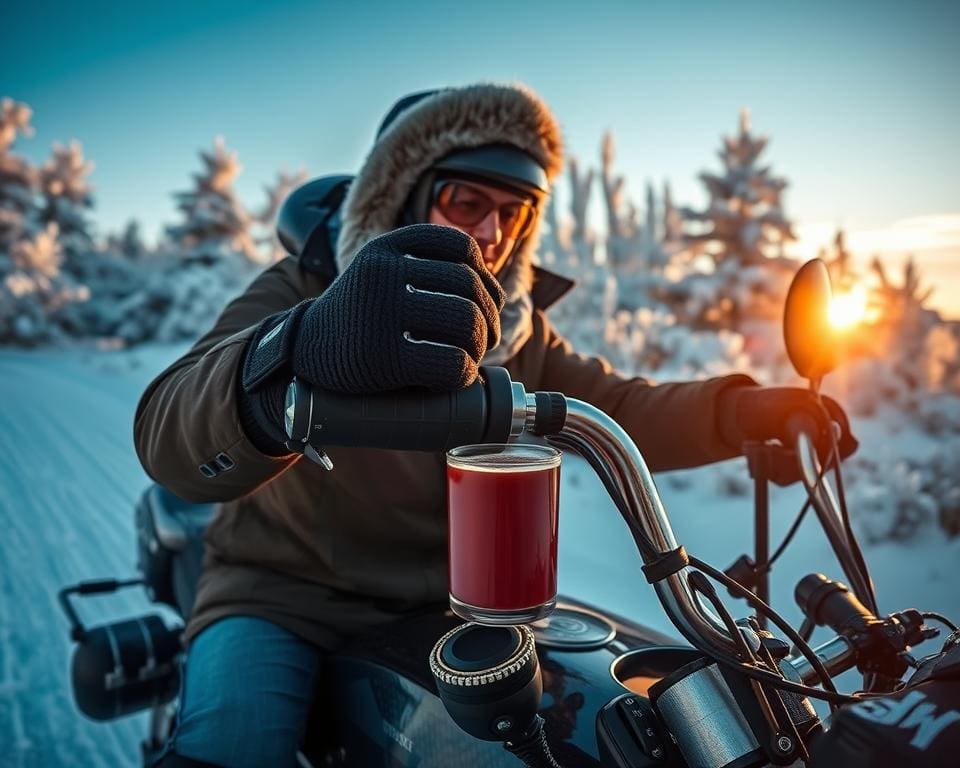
<point>415,419</point>
<point>830,603</point>
<point>96,587</point>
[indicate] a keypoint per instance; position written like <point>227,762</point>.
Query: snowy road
<point>69,478</point>
<point>68,481</point>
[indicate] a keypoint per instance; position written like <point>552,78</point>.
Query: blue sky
<point>861,100</point>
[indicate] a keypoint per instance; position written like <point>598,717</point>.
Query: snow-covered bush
<point>891,503</point>
<point>938,414</point>
<point>944,485</point>
<point>896,495</point>
<point>178,301</point>
<point>651,341</point>
<point>864,385</point>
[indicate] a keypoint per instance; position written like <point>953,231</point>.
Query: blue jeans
<point>247,689</point>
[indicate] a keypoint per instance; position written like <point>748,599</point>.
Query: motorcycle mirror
<point>807,332</point>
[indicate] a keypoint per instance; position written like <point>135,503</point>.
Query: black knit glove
<point>762,413</point>
<point>416,307</point>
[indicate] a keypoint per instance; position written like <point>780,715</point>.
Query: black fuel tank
<point>379,705</point>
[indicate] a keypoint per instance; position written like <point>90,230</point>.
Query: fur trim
<point>451,119</point>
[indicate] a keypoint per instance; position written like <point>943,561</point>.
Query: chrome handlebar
<point>593,430</point>
<point>616,450</point>
<point>837,654</point>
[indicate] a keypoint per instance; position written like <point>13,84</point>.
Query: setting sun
<point>848,309</point>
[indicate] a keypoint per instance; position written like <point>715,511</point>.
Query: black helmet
<point>502,165</point>
<point>499,163</point>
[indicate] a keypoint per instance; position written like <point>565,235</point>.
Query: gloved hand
<point>416,307</point>
<point>763,413</point>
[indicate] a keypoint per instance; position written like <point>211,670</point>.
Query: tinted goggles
<point>466,205</point>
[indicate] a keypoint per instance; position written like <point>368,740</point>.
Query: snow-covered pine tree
<point>555,247</point>
<point>744,218</point>
<point>741,234</point>
<point>129,242</point>
<point>649,236</point>
<point>612,313</point>
<point>622,227</point>
<point>839,262</point>
<point>907,370</point>
<point>216,226</point>
<point>67,197</point>
<point>212,257</point>
<point>18,208</point>
<point>582,236</point>
<point>34,292</point>
<point>672,220</point>
<point>903,333</point>
<point>631,248</point>
<point>109,277</point>
<point>569,244</point>
<point>903,304</point>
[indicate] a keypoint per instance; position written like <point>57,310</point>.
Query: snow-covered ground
<point>69,479</point>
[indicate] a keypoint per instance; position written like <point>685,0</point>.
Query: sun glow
<point>848,309</point>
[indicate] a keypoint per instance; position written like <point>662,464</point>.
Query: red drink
<point>503,503</point>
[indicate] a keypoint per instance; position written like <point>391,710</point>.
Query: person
<point>436,276</point>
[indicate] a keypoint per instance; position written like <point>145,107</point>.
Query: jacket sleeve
<point>187,429</point>
<point>673,425</point>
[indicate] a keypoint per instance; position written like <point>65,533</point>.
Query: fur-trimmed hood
<point>429,129</point>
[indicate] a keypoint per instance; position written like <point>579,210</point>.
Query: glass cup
<point>503,503</point>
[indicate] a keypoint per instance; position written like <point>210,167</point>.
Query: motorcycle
<point>582,687</point>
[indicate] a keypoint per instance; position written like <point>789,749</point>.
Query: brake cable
<point>831,694</point>
<point>777,619</point>
<point>700,584</point>
<point>941,618</point>
<point>852,545</point>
